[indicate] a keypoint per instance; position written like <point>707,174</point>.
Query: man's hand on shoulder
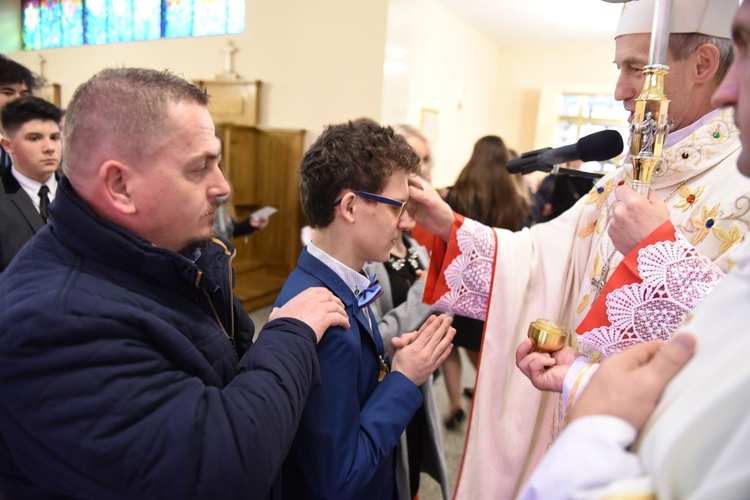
<point>317,307</point>
<point>546,371</point>
<point>629,384</point>
<point>418,354</point>
<point>635,217</point>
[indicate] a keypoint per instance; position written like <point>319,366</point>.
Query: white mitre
<point>709,17</point>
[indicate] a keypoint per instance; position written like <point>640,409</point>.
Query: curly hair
<point>359,155</point>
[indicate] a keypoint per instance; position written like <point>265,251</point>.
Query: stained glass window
<point>66,23</point>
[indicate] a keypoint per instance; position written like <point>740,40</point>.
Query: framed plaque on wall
<point>49,92</point>
<point>235,102</point>
<point>429,125</point>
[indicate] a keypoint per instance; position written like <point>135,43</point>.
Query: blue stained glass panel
<point>178,18</point>
<point>235,16</point>
<point>50,11</point>
<point>119,20</point>
<point>147,20</point>
<point>72,22</point>
<point>32,32</point>
<point>64,23</point>
<point>95,22</point>
<point>212,15</point>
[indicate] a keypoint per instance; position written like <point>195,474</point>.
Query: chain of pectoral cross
<point>600,279</point>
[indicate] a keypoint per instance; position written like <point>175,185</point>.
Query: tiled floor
<point>453,440</point>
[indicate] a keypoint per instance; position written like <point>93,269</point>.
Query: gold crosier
<point>651,123</point>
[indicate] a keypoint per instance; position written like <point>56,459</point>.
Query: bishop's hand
<point>546,371</point>
<point>429,209</point>
<point>634,217</point>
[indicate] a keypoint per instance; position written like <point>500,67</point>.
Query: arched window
<point>67,23</point>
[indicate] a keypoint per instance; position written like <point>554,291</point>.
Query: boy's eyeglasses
<point>380,199</point>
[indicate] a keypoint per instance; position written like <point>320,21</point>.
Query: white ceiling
<point>541,21</point>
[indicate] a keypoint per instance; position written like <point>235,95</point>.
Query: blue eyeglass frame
<point>379,199</point>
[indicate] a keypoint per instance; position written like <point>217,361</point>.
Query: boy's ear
<point>347,208</point>
<point>7,145</point>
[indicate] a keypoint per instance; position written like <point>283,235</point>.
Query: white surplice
<point>695,446</point>
<point>546,272</point>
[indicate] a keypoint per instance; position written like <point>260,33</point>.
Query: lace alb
<point>675,277</point>
<point>468,276</point>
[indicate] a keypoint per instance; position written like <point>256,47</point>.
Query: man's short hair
<point>682,46</point>
<point>12,72</point>
<point>122,114</point>
<point>358,155</point>
<point>25,109</point>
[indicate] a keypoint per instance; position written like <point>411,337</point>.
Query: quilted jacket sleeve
<point>123,418</point>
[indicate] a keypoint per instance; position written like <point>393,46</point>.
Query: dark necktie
<point>44,202</point>
<point>5,161</point>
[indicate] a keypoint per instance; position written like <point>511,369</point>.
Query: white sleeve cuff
<point>576,379</point>
<point>590,454</point>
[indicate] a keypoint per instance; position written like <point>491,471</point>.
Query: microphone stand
<point>527,163</point>
<point>651,123</point>
<point>573,172</point>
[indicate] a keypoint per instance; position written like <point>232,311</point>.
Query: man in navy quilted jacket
<point>125,370</point>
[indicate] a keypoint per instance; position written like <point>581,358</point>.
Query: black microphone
<point>595,147</point>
